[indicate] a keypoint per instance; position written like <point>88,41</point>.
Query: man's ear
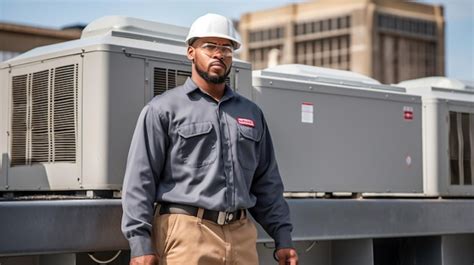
<point>190,53</point>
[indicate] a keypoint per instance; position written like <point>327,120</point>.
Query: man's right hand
<point>145,260</point>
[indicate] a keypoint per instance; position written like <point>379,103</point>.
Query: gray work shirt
<point>188,148</point>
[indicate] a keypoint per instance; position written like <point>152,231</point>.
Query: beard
<point>216,79</point>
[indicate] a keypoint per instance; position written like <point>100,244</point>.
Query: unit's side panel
<point>94,116</point>
<point>127,88</point>
<point>432,150</point>
<point>113,94</point>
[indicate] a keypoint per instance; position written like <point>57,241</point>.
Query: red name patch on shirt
<point>246,122</point>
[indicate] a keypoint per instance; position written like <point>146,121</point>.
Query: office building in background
<point>390,41</point>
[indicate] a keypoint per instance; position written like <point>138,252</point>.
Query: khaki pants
<point>188,240</point>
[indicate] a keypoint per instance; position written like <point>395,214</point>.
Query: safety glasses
<point>211,48</point>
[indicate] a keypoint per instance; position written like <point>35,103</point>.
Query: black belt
<point>220,218</point>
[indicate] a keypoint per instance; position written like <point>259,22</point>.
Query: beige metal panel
<point>46,175</point>
<point>113,94</point>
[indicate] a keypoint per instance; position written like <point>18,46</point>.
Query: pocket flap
<point>250,133</point>
<point>195,129</point>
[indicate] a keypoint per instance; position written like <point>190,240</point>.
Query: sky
<point>459,16</point>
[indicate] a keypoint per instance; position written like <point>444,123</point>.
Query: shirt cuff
<point>140,246</point>
<point>283,239</point>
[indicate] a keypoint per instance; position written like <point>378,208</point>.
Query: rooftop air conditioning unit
<point>448,135</point>
<point>338,131</point>
<point>68,110</point>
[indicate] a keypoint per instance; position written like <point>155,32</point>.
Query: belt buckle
<point>224,218</point>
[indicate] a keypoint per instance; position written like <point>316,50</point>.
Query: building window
<point>259,56</point>
<point>266,34</point>
<point>406,25</point>
<point>316,26</point>
<point>333,52</point>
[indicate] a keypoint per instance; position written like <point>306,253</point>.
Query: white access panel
<point>448,135</point>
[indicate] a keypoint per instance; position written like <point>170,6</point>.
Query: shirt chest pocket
<point>197,144</point>
<point>247,148</point>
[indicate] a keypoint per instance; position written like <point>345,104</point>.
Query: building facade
<point>388,40</point>
<point>16,39</point>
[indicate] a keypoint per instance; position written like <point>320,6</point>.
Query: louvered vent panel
<point>165,79</point>
<point>64,111</point>
<point>171,79</point>
<point>159,81</point>
<point>39,117</point>
<point>461,135</point>
<point>19,107</point>
<point>44,116</point>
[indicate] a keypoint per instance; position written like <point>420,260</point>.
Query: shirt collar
<point>190,86</point>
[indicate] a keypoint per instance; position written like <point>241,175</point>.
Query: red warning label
<point>408,113</point>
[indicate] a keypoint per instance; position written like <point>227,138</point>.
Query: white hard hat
<point>213,25</point>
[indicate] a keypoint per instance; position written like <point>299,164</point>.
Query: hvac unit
<point>337,131</point>
<point>448,135</point>
<point>68,110</point>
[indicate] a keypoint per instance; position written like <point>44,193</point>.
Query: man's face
<point>212,58</point>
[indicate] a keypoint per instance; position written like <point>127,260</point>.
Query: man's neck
<point>216,91</point>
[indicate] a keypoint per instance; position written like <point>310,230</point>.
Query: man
<point>204,154</point>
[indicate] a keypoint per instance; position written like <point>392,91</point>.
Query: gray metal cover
<point>357,140</point>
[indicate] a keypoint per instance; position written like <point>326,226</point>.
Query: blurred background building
<point>16,39</point>
<point>388,40</point>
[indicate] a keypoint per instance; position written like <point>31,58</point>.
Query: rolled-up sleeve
<point>145,161</point>
<point>271,210</point>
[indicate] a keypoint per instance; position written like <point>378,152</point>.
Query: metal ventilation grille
<point>19,110</point>
<point>165,79</point>
<point>461,135</point>
<point>64,113</point>
<point>44,116</point>
<point>39,123</point>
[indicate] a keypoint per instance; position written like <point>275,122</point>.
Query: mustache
<point>218,61</point>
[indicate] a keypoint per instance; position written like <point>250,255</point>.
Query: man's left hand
<point>287,256</point>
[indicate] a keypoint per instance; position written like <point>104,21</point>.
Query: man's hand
<point>287,256</point>
<point>145,260</point>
